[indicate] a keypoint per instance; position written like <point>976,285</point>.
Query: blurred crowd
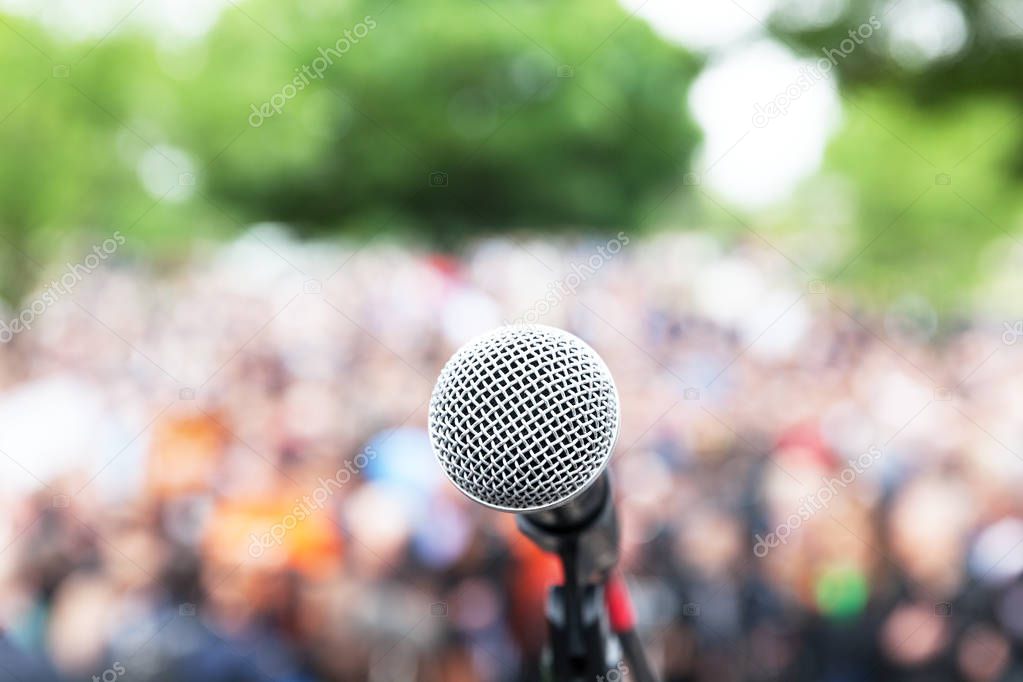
<point>220,470</point>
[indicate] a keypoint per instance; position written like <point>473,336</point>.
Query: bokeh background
<point>238,240</point>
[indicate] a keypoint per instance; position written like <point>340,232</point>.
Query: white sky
<point>747,165</point>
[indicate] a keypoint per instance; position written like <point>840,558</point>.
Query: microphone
<point>524,419</point>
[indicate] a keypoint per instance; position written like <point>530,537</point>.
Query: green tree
<point>448,116</point>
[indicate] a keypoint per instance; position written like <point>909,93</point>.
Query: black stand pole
<point>584,535</point>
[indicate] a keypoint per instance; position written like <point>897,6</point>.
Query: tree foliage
<point>450,116</point>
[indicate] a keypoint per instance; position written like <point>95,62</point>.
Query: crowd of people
<point>220,470</point>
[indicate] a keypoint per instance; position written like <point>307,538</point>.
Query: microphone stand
<point>583,646</point>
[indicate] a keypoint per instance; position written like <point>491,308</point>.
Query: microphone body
<point>524,420</point>
<point>589,522</point>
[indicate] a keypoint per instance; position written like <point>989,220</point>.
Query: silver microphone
<point>524,418</point>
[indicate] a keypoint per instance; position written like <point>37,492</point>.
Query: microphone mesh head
<point>524,418</point>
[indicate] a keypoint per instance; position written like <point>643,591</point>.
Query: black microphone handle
<point>586,525</point>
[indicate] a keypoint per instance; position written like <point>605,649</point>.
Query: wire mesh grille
<point>524,417</point>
